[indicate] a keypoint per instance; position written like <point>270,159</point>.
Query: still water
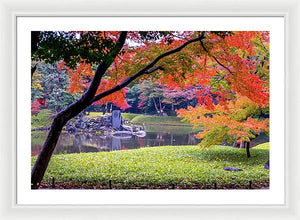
<point>78,143</point>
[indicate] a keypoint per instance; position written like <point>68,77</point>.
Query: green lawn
<point>160,167</point>
<point>125,116</point>
<point>129,116</point>
<point>96,114</point>
<point>152,119</point>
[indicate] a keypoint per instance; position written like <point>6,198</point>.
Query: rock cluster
<point>232,169</point>
<point>90,125</point>
<point>102,125</point>
<point>267,165</point>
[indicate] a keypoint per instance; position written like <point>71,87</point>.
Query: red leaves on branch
<point>81,77</point>
<point>42,101</point>
<point>117,98</point>
<point>35,107</point>
<point>223,66</point>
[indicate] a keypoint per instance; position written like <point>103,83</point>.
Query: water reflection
<point>77,143</point>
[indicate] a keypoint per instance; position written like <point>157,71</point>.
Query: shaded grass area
<point>38,137</point>
<point>160,167</point>
<point>42,120</point>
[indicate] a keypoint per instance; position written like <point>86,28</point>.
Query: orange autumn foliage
<point>235,122</point>
<point>223,66</point>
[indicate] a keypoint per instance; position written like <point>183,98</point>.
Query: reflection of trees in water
<point>76,143</point>
<point>116,143</point>
<point>35,150</point>
<point>86,143</point>
<point>160,139</point>
<point>141,141</point>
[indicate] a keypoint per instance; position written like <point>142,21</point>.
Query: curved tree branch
<point>154,69</point>
<point>33,69</point>
<point>87,97</point>
<point>146,70</point>
<point>101,69</point>
<point>205,49</point>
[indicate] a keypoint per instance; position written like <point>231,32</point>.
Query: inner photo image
<point>138,110</point>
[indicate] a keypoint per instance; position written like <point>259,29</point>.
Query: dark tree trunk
<point>111,105</point>
<point>237,145</point>
<point>71,111</point>
<point>44,156</point>
<point>33,69</point>
<point>105,109</point>
<point>35,39</point>
<point>160,108</point>
<point>248,149</point>
<point>46,153</point>
<point>245,145</point>
<point>157,110</point>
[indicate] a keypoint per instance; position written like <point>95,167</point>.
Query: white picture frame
<point>9,10</point>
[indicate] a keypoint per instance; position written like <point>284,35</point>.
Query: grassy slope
<point>129,116</point>
<point>96,114</point>
<point>151,119</point>
<point>159,167</point>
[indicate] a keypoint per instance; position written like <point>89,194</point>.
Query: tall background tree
<point>50,87</point>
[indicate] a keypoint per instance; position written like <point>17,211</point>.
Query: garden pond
<point>155,136</point>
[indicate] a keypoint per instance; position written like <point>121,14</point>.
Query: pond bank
<point>96,120</point>
<point>184,125</point>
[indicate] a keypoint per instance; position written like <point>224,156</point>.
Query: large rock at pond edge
<point>93,120</point>
<point>80,125</point>
<point>267,165</point>
<point>84,119</point>
<point>70,129</point>
<point>232,169</point>
<point>116,119</point>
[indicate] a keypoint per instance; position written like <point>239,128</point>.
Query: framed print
<point>120,82</point>
<point>137,179</point>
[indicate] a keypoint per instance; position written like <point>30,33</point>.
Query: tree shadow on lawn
<point>234,155</point>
